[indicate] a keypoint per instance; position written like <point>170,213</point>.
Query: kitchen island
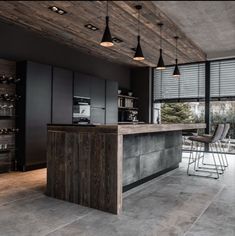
<point>93,165</point>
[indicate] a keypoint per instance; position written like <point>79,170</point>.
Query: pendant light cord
<point>160,36</point>
<point>176,48</point>
<point>107,8</point>
<point>138,22</point>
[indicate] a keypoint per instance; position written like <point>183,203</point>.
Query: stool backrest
<point>225,132</point>
<point>218,133</point>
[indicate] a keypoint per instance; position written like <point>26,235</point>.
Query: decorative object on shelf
<point>3,146</point>
<point>107,38</point>
<point>119,91</point>
<point>130,93</point>
<point>9,98</point>
<point>176,72</point>
<point>139,56</point>
<point>8,80</point>
<point>7,131</point>
<point>160,64</point>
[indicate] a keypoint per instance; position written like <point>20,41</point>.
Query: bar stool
<point>211,141</point>
<point>220,146</point>
<point>222,140</point>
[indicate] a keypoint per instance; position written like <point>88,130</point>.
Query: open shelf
<point>7,117</point>
<point>128,108</point>
<point>126,96</point>
<point>4,151</point>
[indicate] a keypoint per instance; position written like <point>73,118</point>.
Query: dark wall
<point>16,43</point>
<point>141,85</point>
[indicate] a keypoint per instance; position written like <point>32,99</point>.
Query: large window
<point>222,74</point>
<point>182,100</point>
<point>190,85</point>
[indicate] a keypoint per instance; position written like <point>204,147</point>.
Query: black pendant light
<point>176,72</point>
<point>139,56</point>
<point>107,38</point>
<point>160,64</point>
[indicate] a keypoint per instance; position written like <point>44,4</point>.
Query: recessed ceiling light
<point>117,40</point>
<point>91,27</point>
<point>57,10</point>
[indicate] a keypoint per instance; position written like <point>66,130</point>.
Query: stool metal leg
<point>195,161</point>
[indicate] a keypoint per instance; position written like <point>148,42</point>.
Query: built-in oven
<point>81,110</point>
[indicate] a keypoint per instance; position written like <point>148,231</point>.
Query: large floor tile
<point>37,216</point>
<point>102,224</point>
<point>215,229</point>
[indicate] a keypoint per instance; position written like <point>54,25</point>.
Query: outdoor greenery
<point>176,113</point>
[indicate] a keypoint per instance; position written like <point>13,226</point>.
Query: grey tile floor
<point>173,204</point>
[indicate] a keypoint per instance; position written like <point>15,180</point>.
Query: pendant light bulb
<point>107,38</point>
<point>139,56</point>
<point>176,72</point>
<point>160,64</point>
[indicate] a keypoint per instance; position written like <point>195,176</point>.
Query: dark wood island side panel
<point>83,168</point>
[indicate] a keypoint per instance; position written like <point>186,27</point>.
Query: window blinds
<point>190,85</point>
<point>222,79</point>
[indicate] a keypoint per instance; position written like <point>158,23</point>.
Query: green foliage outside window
<point>176,113</point>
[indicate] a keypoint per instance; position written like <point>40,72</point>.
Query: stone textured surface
<point>148,154</point>
<point>173,204</point>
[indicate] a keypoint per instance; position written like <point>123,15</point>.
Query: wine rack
<point>8,99</point>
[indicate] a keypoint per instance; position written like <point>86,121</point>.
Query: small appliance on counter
<point>131,115</point>
<point>81,110</point>
<point>128,116</point>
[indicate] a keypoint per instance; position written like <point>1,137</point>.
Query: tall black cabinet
<point>62,96</point>
<point>47,97</point>
<point>97,100</point>
<point>82,85</point>
<point>33,114</point>
<point>111,104</point>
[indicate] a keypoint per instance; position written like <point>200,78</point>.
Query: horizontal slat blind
<point>191,83</point>
<point>223,79</point>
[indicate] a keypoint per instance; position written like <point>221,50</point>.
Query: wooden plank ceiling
<point>69,28</point>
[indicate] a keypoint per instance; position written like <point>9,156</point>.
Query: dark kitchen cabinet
<point>97,115</point>
<point>111,110</point>
<point>82,85</point>
<point>33,114</point>
<point>97,92</point>
<point>62,96</point>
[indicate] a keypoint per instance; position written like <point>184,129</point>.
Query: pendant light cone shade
<point>107,38</point>
<point>160,64</point>
<point>176,72</point>
<point>139,56</point>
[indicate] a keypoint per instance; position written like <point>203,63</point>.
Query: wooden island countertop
<point>129,128</point>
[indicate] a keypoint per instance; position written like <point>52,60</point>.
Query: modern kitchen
<point>108,122</point>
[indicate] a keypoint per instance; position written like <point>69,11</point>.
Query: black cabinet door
<point>97,115</point>
<point>82,85</point>
<point>37,114</point>
<point>111,102</point>
<point>97,92</point>
<point>62,98</point>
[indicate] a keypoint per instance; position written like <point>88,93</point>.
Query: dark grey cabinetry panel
<point>62,96</point>
<point>97,115</point>
<point>97,92</point>
<point>33,114</point>
<point>111,102</point>
<point>82,85</point>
